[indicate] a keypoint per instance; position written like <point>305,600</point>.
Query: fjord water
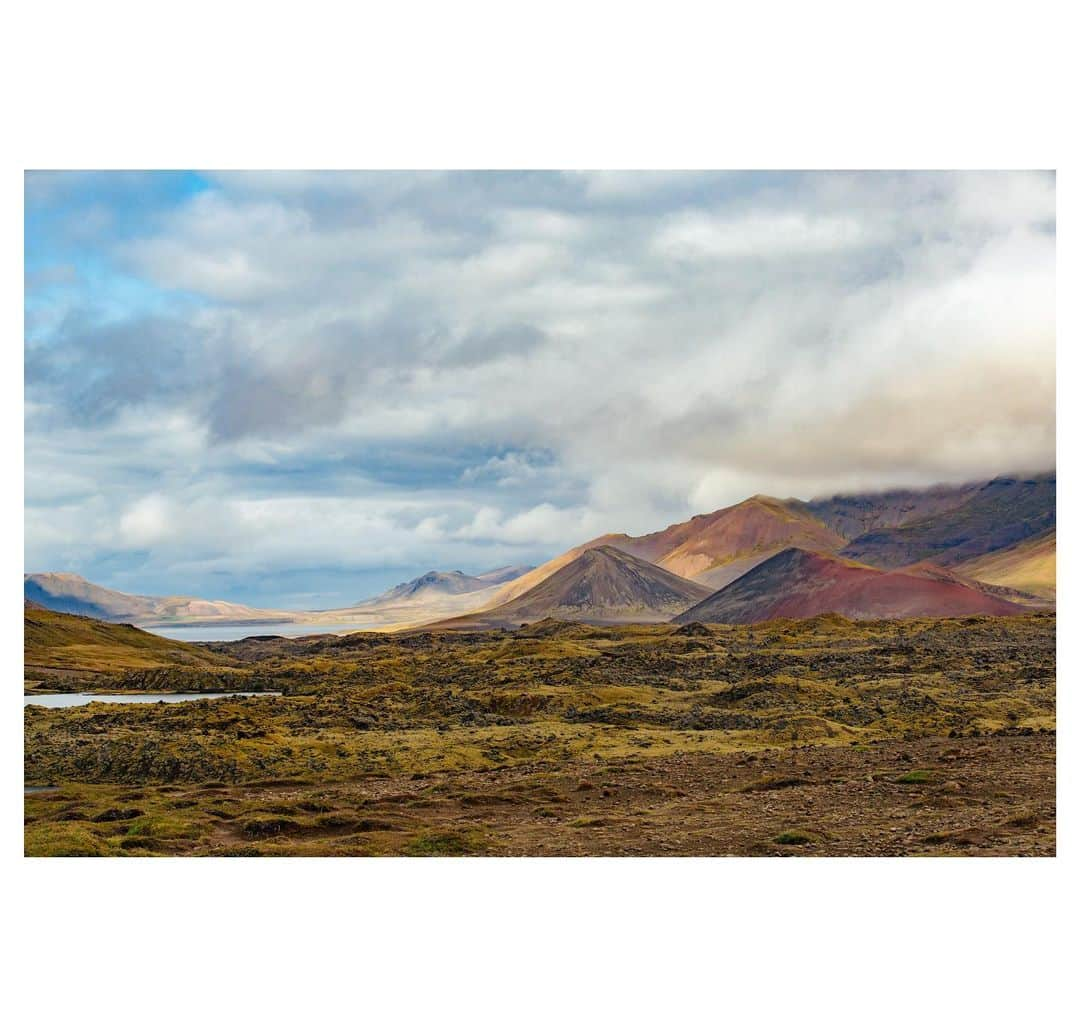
<point>84,698</point>
<point>234,632</point>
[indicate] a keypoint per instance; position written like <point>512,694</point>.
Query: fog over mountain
<point>291,390</point>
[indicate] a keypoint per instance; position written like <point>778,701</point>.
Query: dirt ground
<point>971,796</point>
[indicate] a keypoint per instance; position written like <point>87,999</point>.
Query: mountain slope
<point>1030,565</point>
<point>800,584</point>
<point>600,585</point>
<point>1000,514</point>
<point>61,642</point>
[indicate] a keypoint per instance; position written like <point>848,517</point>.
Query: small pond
<point>85,698</point>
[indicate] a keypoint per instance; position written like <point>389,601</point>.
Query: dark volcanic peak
<point>798,584</point>
<point>854,514</point>
<point>1001,513</point>
<point>601,585</point>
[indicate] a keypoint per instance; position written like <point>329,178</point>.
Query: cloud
<point>380,372</point>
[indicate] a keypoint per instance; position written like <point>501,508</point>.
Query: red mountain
<point>800,584</point>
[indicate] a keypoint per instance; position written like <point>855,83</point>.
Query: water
<point>84,698</point>
<point>233,632</point>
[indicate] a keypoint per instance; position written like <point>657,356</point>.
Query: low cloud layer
<point>297,388</point>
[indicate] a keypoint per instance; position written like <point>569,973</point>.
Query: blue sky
<point>296,389</point>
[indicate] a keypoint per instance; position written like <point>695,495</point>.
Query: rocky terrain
<point>819,736</point>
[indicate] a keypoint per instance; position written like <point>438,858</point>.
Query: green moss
<point>62,839</point>
<point>443,844</point>
<point>918,776</point>
<point>795,837</point>
<point>164,826</point>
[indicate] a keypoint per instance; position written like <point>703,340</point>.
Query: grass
<point>917,776</point>
<point>62,839</point>
<point>61,642</point>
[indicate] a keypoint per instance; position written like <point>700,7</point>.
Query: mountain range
<point>983,548</point>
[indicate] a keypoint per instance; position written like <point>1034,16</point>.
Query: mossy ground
<point>573,739</point>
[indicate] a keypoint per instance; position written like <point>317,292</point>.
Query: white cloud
<point>375,361</point>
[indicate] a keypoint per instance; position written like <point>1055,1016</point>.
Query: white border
<point>560,85</point>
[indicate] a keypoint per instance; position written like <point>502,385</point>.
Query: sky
<point>296,389</point>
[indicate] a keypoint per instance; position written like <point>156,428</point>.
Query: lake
<point>84,698</point>
<point>232,632</point>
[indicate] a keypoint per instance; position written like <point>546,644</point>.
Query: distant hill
<point>601,585</point>
<point>62,643</point>
<point>1029,565</point>
<point>800,584</point>
<point>998,515</point>
<point>70,593</point>
<point>444,582</point>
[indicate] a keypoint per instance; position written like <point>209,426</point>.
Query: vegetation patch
<point>917,776</point>
<point>795,837</point>
<point>442,844</point>
<point>268,826</point>
<point>773,784</point>
<point>62,839</point>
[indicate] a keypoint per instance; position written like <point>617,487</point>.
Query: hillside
<point>998,515</point>
<point>601,585</point>
<point>63,644</point>
<point>1030,565</point>
<point>800,584</point>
